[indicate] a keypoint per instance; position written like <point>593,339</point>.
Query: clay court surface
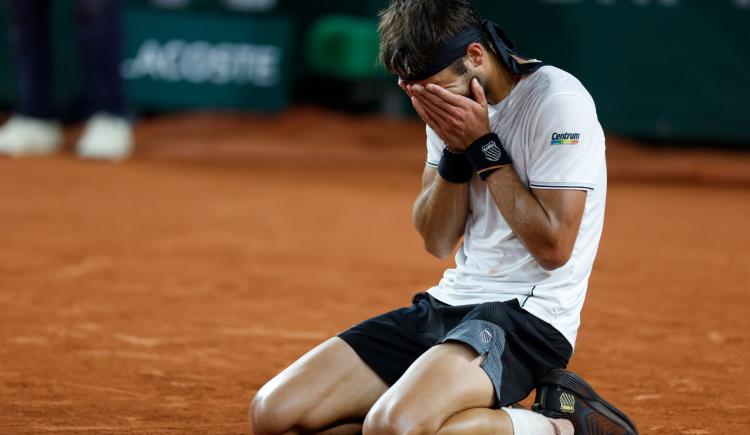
<point>158,295</point>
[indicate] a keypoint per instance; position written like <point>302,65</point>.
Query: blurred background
<point>265,203</point>
<point>658,70</point>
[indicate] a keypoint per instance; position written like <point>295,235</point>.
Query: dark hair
<point>412,30</point>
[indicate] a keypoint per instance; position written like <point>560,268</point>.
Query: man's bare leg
<point>447,392</point>
<point>445,380</point>
<point>325,390</point>
<point>346,429</point>
<point>478,421</point>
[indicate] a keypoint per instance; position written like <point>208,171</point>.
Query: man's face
<point>451,81</point>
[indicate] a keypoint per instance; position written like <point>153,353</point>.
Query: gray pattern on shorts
<point>486,339</point>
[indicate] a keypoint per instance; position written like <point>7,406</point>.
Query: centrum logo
<point>565,138</point>
<point>202,62</point>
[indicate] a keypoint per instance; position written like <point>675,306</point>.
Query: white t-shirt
<point>548,125</point>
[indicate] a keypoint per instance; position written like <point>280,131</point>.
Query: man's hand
<point>458,120</point>
<point>405,87</point>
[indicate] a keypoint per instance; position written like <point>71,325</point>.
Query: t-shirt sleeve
<point>435,147</point>
<point>567,145</point>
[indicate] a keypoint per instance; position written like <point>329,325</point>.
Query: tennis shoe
<point>106,137</point>
<point>23,136</point>
<point>563,394</point>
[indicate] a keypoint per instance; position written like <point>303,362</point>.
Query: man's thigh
<point>444,381</point>
<point>329,385</point>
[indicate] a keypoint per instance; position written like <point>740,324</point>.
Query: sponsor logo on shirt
<point>565,138</point>
<point>491,151</point>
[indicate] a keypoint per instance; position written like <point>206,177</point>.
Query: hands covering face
<point>458,120</point>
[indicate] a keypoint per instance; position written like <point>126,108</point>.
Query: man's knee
<point>268,414</point>
<point>264,420</point>
<point>398,418</point>
<point>478,421</point>
<point>274,410</point>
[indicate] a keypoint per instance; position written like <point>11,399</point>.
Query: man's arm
<point>440,212</point>
<point>442,207</point>
<point>546,221</point>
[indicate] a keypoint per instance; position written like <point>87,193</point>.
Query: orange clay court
<point>156,296</point>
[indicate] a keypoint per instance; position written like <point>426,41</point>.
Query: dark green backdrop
<point>672,69</point>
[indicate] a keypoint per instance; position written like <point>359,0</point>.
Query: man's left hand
<point>458,120</point>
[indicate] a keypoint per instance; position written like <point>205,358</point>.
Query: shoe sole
<point>31,151</point>
<point>577,385</point>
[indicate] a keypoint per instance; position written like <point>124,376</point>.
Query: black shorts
<point>519,347</point>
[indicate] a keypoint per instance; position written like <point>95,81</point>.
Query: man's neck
<point>501,81</point>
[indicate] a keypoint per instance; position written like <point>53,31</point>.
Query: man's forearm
<point>530,221</point>
<point>546,221</point>
<point>440,214</point>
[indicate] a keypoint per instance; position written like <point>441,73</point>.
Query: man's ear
<point>476,54</point>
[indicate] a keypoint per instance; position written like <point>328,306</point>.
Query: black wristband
<point>455,168</point>
<point>487,155</point>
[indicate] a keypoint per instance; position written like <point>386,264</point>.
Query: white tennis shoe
<point>106,137</point>
<point>22,136</point>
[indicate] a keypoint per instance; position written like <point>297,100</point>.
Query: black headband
<point>447,53</point>
<point>455,48</point>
